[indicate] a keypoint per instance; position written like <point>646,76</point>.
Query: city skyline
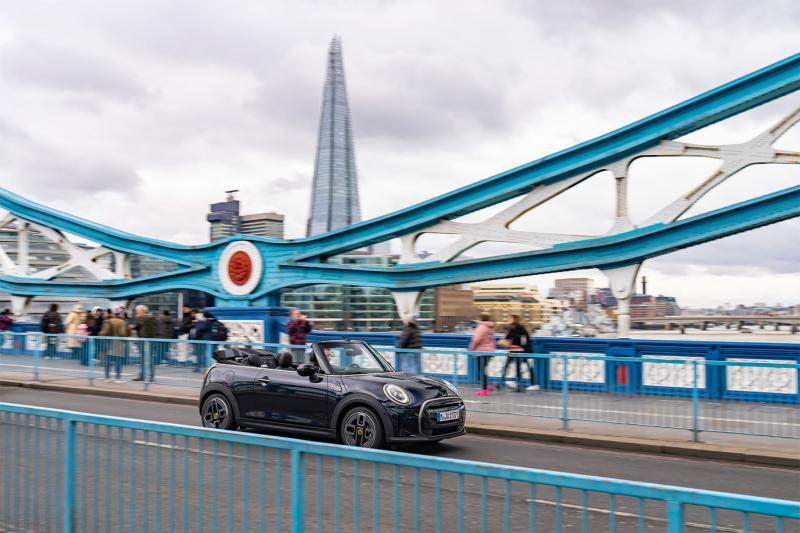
<point>431,115</point>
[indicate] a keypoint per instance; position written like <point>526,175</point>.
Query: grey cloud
<point>29,165</point>
<point>771,249</point>
<point>58,68</point>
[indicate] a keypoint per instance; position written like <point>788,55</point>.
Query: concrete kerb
<point>688,449</point>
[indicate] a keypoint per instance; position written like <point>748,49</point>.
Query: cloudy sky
<point>140,114</point>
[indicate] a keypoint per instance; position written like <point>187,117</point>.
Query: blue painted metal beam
<point>608,252</point>
<point>749,91</point>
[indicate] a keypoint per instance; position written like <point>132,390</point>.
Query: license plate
<point>447,416</point>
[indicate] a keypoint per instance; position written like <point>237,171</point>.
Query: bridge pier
<point>622,282</point>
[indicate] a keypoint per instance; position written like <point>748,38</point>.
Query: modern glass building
<point>334,193</point>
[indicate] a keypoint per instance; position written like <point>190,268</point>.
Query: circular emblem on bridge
<point>240,267</point>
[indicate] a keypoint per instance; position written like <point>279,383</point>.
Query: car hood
<point>428,387</point>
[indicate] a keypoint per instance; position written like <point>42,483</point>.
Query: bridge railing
<point>741,394</point>
<point>72,471</point>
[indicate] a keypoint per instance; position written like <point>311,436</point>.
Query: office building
<point>335,201</point>
<point>578,291</point>
<point>502,301</point>
<point>225,219</point>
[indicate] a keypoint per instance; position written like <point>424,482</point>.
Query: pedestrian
<point>95,321</point>
<point>74,319</point>
<point>146,327</point>
<point>113,350</point>
<point>185,328</point>
<point>410,338</point>
<point>483,340</point>
<point>203,330</point>
<point>298,328</point>
<point>51,326</point>
<point>166,330</point>
<point>518,341</point>
<point>6,320</point>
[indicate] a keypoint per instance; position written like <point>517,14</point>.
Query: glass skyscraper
<point>334,194</point>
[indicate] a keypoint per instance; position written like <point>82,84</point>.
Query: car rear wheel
<point>361,427</point>
<point>217,412</point>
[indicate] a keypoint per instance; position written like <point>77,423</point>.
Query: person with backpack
<point>207,328</point>
<point>146,327</point>
<point>51,325</point>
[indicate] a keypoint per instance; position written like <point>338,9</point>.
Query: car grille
<point>429,427</point>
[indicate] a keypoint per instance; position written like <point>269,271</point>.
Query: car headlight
<point>449,385</point>
<point>397,394</point>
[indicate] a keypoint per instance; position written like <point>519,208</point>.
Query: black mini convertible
<point>338,389</point>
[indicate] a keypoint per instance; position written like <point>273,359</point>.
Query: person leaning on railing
<point>483,340</point>
<point>113,350</point>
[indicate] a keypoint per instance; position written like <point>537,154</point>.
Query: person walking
<point>51,325</point>
<point>74,319</point>
<point>185,328</point>
<point>6,320</point>
<point>166,330</point>
<point>113,350</point>
<point>298,328</point>
<point>146,327</point>
<point>518,341</point>
<point>483,340</point>
<point>95,321</point>
<point>410,338</point>
<point>203,330</point>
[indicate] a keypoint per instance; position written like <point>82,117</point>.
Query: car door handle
<point>263,381</point>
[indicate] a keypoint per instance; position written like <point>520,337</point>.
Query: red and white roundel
<point>240,267</point>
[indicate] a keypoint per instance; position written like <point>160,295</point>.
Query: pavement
<point>720,446</point>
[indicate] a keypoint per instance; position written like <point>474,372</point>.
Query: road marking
<point>624,514</point>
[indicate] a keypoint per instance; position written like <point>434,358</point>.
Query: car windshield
<point>354,358</point>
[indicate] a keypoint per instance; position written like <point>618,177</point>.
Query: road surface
<point>757,480</point>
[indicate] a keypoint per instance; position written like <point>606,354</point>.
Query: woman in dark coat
<point>410,338</point>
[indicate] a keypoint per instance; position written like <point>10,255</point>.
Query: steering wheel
<point>352,365</point>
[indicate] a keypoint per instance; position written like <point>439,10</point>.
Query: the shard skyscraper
<point>334,194</point>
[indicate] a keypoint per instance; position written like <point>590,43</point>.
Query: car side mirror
<point>310,371</point>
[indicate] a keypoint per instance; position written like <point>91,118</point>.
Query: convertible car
<point>336,389</point>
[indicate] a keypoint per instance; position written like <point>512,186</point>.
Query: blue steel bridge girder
<point>276,264</point>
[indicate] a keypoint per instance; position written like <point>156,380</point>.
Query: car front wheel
<point>361,427</point>
<point>217,412</point>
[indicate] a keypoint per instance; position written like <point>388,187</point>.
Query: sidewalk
<point>720,446</point>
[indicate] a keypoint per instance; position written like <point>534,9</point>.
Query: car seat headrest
<point>285,360</point>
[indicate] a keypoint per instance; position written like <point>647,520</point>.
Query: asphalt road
<point>686,472</point>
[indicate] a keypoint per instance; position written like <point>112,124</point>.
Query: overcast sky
<point>140,114</point>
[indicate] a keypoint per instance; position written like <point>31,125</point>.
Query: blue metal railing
<point>71,471</point>
<point>733,394</point>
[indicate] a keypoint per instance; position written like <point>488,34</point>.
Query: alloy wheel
<point>216,413</point>
<point>359,429</point>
